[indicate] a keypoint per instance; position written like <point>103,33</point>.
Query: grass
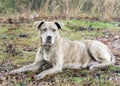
<point>77,79</point>
<point>87,23</point>
<point>26,48</point>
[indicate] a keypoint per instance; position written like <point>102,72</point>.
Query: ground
<point>19,43</point>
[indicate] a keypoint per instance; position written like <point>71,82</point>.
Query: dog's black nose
<point>49,37</point>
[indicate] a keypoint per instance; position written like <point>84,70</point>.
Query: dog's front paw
<point>39,77</point>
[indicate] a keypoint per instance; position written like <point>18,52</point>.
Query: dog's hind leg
<point>98,65</point>
<point>102,61</point>
<point>101,54</point>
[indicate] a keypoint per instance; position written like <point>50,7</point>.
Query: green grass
<point>77,79</point>
<point>78,35</point>
<point>86,23</point>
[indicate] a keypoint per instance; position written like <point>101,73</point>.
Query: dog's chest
<point>49,56</point>
<point>46,56</point>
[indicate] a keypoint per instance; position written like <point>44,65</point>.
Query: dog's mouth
<point>48,43</point>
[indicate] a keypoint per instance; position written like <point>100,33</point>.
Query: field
<point>19,43</point>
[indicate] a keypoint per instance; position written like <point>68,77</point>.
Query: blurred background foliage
<point>107,9</point>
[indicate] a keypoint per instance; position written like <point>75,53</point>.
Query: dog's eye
<point>53,30</point>
<point>44,29</point>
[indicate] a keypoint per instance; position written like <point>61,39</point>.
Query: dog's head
<point>48,31</point>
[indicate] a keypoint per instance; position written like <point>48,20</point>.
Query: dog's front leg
<point>32,67</point>
<point>53,70</point>
<point>57,66</point>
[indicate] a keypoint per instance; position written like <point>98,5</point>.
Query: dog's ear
<point>38,24</point>
<point>60,25</point>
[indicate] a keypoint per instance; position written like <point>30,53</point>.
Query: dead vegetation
<point>26,11</point>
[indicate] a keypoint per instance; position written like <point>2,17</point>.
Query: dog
<point>63,53</point>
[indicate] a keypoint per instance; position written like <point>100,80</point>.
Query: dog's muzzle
<point>49,40</point>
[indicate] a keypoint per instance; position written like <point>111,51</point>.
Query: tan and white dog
<point>63,53</point>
